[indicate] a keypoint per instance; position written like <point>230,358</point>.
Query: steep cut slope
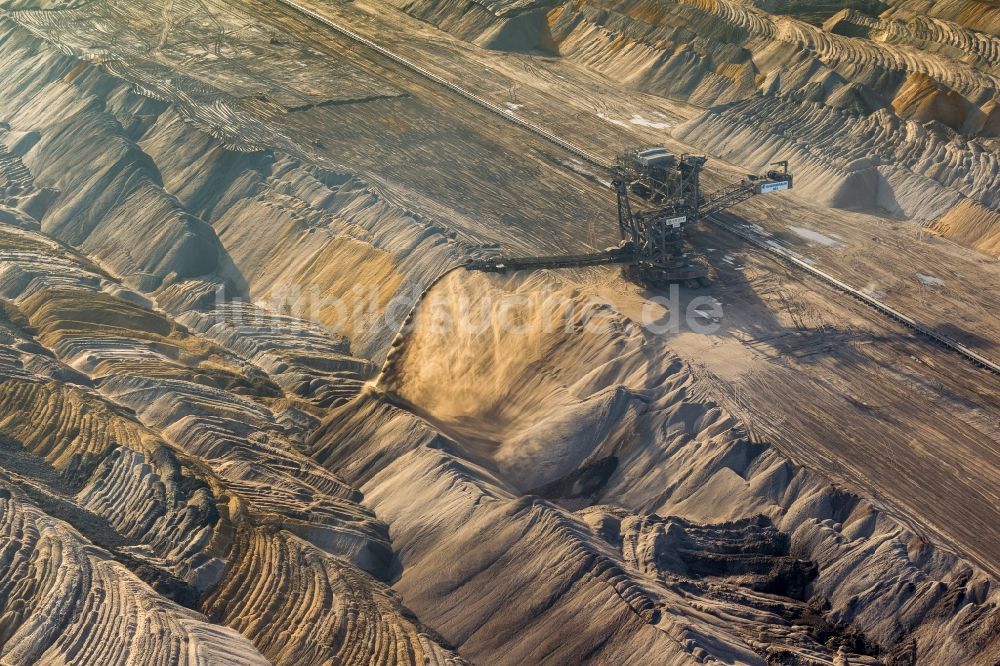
<point>169,452</point>
<point>971,225</point>
<point>591,408</point>
<point>218,223</point>
<point>892,116</point>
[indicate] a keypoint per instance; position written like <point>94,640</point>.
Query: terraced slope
<point>896,115</point>
<point>175,456</point>
<point>167,451</point>
<point>233,427</point>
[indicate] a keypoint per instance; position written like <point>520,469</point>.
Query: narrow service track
<point>486,104</point>
<point>754,240</point>
<point>873,303</point>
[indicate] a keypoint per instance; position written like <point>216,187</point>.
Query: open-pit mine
<point>500,332</point>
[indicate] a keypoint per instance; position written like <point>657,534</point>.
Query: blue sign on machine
<point>773,187</point>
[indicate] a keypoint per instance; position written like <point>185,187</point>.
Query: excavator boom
<point>653,239</point>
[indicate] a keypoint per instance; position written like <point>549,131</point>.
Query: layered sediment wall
<point>592,410</point>
<point>895,115</point>
<point>221,463</point>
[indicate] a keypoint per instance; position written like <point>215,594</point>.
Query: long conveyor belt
<point>502,264</point>
<point>498,265</point>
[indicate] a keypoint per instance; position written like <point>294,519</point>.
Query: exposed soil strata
<point>330,612</point>
<point>196,441</point>
<point>972,225</point>
<point>705,471</point>
<point>981,15</point>
<point>53,573</point>
<point>887,92</point>
<point>123,400</point>
<point>164,399</point>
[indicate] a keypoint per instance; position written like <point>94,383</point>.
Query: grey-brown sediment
<point>282,510</point>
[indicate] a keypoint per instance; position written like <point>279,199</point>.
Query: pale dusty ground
<point>790,333</point>
<point>322,498</point>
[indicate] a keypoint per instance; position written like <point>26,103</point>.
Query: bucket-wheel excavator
<point>659,196</point>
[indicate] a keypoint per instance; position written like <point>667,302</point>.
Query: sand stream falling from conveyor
<point>736,14</point>
<point>478,554</point>
<point>406,326</point>
<point>486,420</point>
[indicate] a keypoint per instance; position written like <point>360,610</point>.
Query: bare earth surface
<point>235,428</point>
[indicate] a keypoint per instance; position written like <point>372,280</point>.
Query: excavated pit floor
<point>289,467</point>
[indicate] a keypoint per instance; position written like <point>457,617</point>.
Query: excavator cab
<point>780,175</point>
<point>775,180</point>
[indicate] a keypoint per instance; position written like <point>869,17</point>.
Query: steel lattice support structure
<point>659,196</point>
